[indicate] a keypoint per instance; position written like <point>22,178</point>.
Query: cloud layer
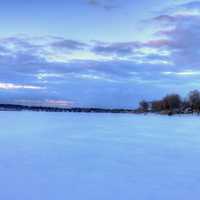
<point>95,73</point>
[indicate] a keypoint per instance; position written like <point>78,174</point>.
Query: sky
<point>98,53</point>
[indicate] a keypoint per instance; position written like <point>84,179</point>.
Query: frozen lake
<point>61,156</point>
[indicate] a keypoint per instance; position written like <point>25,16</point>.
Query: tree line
<point>15,107</point>
<point>173,104</point>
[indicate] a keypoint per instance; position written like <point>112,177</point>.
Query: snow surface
<point>61,156</point>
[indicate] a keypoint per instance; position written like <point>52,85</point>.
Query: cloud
<point>106,4</point>
<point>188,7</point>
<point>69,45</point>
<point>182,40</point>
<point>164,18</point>
<point>93,2</point>
<point>11,86</point>
<point>116,49</point>
<point>44,76</point>
<point>185,73</point>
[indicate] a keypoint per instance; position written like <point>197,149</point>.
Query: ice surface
<point>61,156</point>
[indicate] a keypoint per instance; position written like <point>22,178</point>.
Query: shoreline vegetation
<point>171,104</point>
<point>15,107</point>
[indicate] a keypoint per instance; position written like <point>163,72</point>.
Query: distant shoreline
<point>16,107</point>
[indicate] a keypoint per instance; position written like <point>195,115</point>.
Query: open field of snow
<point>59,156</point>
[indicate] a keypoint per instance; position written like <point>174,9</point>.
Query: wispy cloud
<point>185,73</point>
<point>11,86</point>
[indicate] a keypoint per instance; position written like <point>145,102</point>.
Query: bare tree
<point>194,100</point>
<point>157,106</point>
<point>144,106</point>
<point>171,102</point>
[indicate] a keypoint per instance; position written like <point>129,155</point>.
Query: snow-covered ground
<point>61,156</point>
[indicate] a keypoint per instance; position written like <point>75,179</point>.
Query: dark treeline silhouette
<point>13,107</point>
<point>173,104</point>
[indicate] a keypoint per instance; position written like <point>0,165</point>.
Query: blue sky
<point>80,19</point>
<point>105,53</point>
